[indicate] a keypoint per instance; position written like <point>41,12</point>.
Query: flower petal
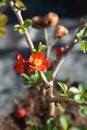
<point>20,58</point>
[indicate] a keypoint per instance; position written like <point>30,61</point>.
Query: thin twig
<point>65,100</point>
<point>49,47</point>
<point>46,36</point>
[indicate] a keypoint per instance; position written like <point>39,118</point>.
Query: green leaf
<point>42,47</point>
<point>85,31</point>
<point>73,90</point>
<point>79,99</point>
<point>20,5</point>
<point>27,82</point>
<point>36,78</point>
<point>83,46</point>
<point>47,74</point>
<point>55,128</point>
<point>83,111</point>
<point>64,122</point>
<point>3,19</point>
<point>21,31</point>
<point>33,126</point>
<point>17,27</point>
<point>34,50</point>
<point>51,123</point>
<point>82,88</point>
<point>3,31</point>
<point>44,128</point>
<point>74,128</point>
<point>61,108</point>
<point>27,23</point>
<point>3,3</point>
<point>63,87</point>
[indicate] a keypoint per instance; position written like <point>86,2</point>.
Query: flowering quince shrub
<point>39,71</point>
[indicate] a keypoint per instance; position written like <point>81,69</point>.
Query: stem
<point>46,36</point>
<point>51,95</point>
<point>26,76</point>
<point>49,48</point>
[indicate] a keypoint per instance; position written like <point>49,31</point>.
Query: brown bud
<point>51,19</point>
<point>60,32</point>
<point>37,22</point>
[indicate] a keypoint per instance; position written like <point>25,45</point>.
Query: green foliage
<point>61,108</point>
<point>27,23</point>
<point>3,21</point>
<point>20,5</point>
<point>80,36</point>
<point>51,124</point>
<point>42,47</point>
<point>3,3</point>
<point>83,46</point>
<point>83,111</point>
<point>21,27</point>
<point>63,87</point>
<point>64,122</point>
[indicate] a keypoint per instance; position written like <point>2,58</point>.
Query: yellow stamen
<point>37,62</point>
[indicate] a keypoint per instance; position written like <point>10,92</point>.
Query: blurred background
<point>75,65</point>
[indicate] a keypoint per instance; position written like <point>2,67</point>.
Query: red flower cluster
<point>20,113</point>
<point>61,50</point>
<point>36,61</point>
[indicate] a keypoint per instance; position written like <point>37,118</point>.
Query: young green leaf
<point>64,122</point>
<point>83,46</point>
<point>73,90</point>
<point>79,98</point>
<point>51,123</point>
<point>82,88</point>
<point>74,128</point>
<point>2,31</point>
<point>17,27</point>
<point>3,19</point>
<point>42,47</point>
<point>33,126</point>
<point>44,128</point>
<point>85,31</point>
<point>83,111</point>
<point>20,5</point>
<point>63,87</point>
<point>47,74</point>
<point>27,23</point>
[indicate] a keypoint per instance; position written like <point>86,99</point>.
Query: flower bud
<point>51,19</point>
<point>37,22</point>
<point>60,32</point>
<point>61,50</point>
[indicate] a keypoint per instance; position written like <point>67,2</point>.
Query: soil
<point>38,113</point>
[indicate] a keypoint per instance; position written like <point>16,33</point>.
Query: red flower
<point>21,65</point>
<point>20,113</point>
<point>38,62</point>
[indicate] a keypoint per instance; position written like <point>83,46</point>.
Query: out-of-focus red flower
<point>38,62</point>
<point>61,50</point>
<point>20,65</point>
<point>20,113</point>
